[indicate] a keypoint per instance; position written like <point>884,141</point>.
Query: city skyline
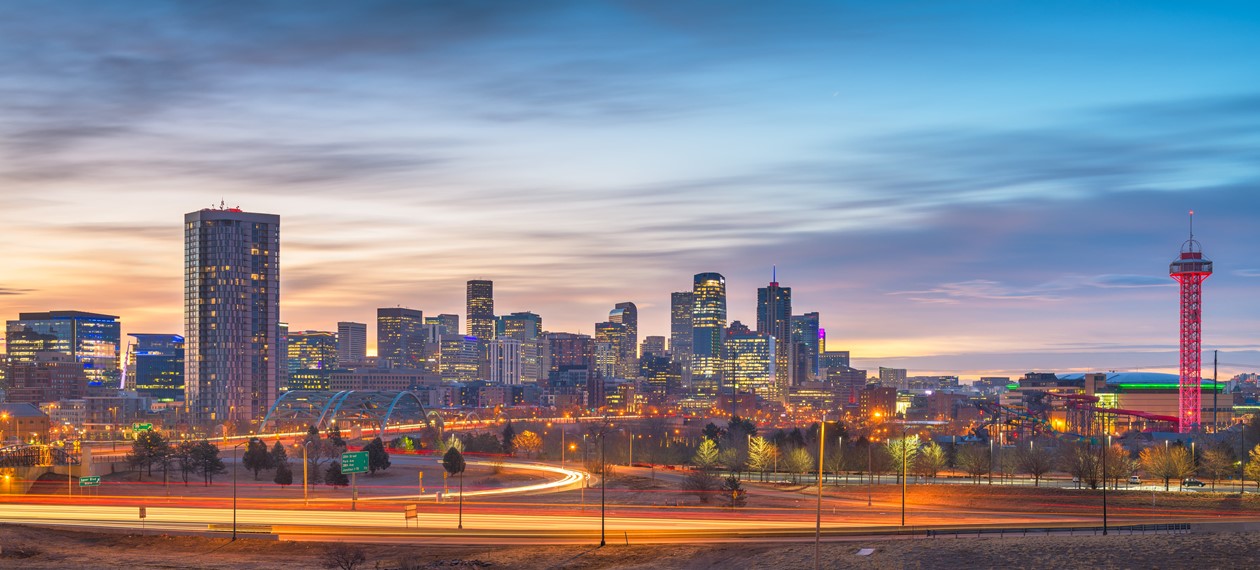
<point>601,154</point>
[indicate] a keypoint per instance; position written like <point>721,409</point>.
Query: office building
<point>449,323</point>
<point>46,377</point>
<point>231,315</point>
<point>627,315</point>
<point>750,365</point>
<point>680,307</point>
<point>807,342</point>
<point>92,339</point>
<point>611,360</point>
<point>313,350</point>
<point>893,377</point>
<point>400,337</point>
<point>505,361</point>
<point>351,343</point>
<point>568,350</point>
<point>525,327</point>
<point>459,358</point>
<point>708,328</point>
<point>774,319</point>
<point>653,345</point>
<point>481,309</point>
<point>155,366</point>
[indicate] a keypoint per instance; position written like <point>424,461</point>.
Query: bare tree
<point>1036,462</point>
<point>1167,463</point>
<point>344,556</point>
<point>973,460</point>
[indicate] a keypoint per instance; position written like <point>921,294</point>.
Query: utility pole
<point>1215,389</point>
<point>1106,452</point>
<point>822,437</point>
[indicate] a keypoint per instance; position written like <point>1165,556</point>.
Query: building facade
<point>480,305</point>
<point>708,314</point>
<point>400,337</point>
<point>92,339</point>
<point>231,314</point>
<point>155,366</point>
<point>351,342</point>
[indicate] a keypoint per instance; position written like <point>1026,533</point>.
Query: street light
<point>1106,452</point>
<point>235,462</point>
<point>904,460</point>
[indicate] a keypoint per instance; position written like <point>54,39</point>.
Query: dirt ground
<point>37,548</point>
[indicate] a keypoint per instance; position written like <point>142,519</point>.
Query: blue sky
<point>967,187</point>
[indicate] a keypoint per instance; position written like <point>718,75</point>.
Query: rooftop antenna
<point>1191,224</point>
<point>774,274</point>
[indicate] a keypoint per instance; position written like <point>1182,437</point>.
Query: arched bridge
<point>35,456</point>
<point>376,409</point>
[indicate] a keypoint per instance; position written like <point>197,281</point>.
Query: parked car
<point>1135,480</point>
<point>1193,483</point>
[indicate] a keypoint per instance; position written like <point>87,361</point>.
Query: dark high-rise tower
<point>807,338</point>
<point>680,305</point>
<point>774,318</point>
<point>481,309</point>
<point>708,327</point>
<point>400,338</point>
<point>627,314</point>
<point>231,314</point>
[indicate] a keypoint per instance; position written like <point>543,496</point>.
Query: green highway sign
<point>142,427</point>
<point>354,462</point>
<point>93,481</point>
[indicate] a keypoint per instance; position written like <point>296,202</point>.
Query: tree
<point>206,458</point>
<point>334,477</point>
<point>148,448</point>
<point>279,454</point>
<point>333,435</point>
<point>902,452</point>
<point>529,443</point>
<point>799,462</point>
<point>344,556</point>
<point>706,457</point>
<point>760,455</point>
<point>712,432</point>
<point>453,462</point>
<point>284,474</point>
<point>701,483</point>
<point>1252,470</point>
<point>1084,463</point>
<point>483,443</point>
<point>930,461</point>
<point>1167,463</point>
<point>1120,465</point>
<point>1215,463</point>
<point>732,487</point>
<point>1035,461</point>
<point>509,439</point>
<point>378,458</point>
<point>256,457</point>
<point>185,456</point>
<point>973,460</point>
<point>446,444</point>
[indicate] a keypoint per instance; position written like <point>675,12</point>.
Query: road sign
<point>409,512</point>
<point>354,462</point>
<point>144,513</point>
<point>141,427</point>
<point>93,481</point>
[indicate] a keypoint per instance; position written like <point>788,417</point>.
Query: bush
<point>344,556</point>
<point>702,484</point>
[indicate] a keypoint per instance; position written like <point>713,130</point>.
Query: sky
<point>970,188</point>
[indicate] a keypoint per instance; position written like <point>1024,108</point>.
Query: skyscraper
<point>231,314</point>
<point>155,366</point>
<point>505,361</point>
<point>653,345</point>
<point>627,314</point>
<point>708,314</point>
<point>400,337</point>
<point>527,328</point>
<point>774,319</point>
<point>351,343</point>
<point>92,339</point>
<point>807,340</point>
<point>680,306</point>
<point>313,350</point>
<point>481,309</point>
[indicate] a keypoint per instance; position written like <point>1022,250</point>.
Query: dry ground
<point>35,548</point>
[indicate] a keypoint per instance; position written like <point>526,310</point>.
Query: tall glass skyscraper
<point>351,343</point>
<point>774,319</point>
<point>400,337</point>
<point>807,338</point>
<point>92,339</point>
<point>231,315</point>
<point>708,326</point>
<point>627,315</point>
<point>481,309</point>
<point>680,306</point>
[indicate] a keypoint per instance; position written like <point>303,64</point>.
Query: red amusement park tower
<point>1190,269</point>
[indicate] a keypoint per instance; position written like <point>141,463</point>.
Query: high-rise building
<point>680,307</point>
<point>459,358</point>
<point>231,314</point>
<point>627,314</point>
<point>750,365</point>
<point>708,327</point>
<point>774,319</point>
<point>505,361</point>
<point>155,366</point>
<point>449,323</point>
<point>92,339</point>
<point>610,353</point>
<point>351,343</point>
<point>525,327</point>
<point>313,350</point>
<point>807,340</point>
<point>481,309</point>
<point>567,350</point>
<point>653,345</point>
<point>47,376</point>
<point>400,337</point>
<point>893,377</point>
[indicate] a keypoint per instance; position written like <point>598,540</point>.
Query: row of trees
<point>152,450</point>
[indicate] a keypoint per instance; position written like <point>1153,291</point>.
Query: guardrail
<point>1071,530</point>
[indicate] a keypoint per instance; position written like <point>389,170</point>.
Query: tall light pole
<point>235,462</point>
<point>603,477</point>
<point>904,458</point>
<point>822,437</point>
<point>1106,452</point>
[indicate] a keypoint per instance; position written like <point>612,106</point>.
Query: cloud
<point>12,291</point>
<point>1247,272</point>
<point>975,289</point>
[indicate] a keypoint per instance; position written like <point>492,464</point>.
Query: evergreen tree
<point>378,458</point>
<point>279,455</point>
<point>284,474</point>
<point>206,459</point>
<point>706,457</point>
<point>334,477</point>
<point>256,457</point>
<point>509,439</point>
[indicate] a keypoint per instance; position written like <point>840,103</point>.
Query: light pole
<point>603,478</point>
<point>870,475</point>
<point>904,459</point>
<point>235,461</point>
<point>822,437</point>
<point>306,498</point>
<point>1106,452</point>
